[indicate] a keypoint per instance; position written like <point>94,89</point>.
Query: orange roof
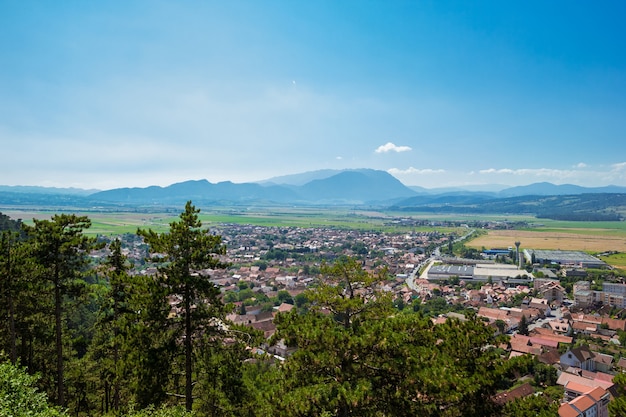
<point>558,338</point>
<point>566,410</point>
<point>284,307</point>
<point>565,379</point>
<point>583,403</point>
<point>576,387</point>
<point>597,393</point>
<point>493,313</point>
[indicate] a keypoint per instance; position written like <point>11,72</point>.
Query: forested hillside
<point>105,341</point>
<point>8,224</point>
<point>580,207</point>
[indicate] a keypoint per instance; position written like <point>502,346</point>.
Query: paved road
<point>436,254</point>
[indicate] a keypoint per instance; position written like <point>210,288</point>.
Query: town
<point>564,308</point>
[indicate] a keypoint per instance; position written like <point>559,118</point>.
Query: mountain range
<point>359,187</point>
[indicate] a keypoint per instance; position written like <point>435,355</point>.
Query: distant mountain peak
<point>305,177</point>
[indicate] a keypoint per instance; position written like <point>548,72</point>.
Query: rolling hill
<point>358,187</point>
<point>344,187</point>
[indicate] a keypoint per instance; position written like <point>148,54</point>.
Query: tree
<point>531,406</point>
<point>222,391</point>
<point>9,261</point>
<point>501,325</point>
<point>59,249</point>
<point>350,292</point>
<point>115,316</point>
<point>323,369</point>
<point>285,297</point>
<point>301,300</point>
<point>366,359</point>
<point>19,397</point>
<point>183,254</point>
<point>523,326</point>
<point>617,407</point>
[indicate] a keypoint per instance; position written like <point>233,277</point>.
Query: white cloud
<point>580,175</point>
<point>432,178</point>
<point>619,167</point>
<point>537,172</point>
<point>389,147</point>
<point>415,171</point>
<point>580,165</point>
<point>496,171</point>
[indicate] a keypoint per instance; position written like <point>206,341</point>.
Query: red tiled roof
<point>519,392</point>
<point>597,393</point>
<point>566,410</point>
<point>583,403</point>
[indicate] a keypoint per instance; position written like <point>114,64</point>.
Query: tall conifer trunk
<point>11,306</point>
<point>59,340</point>
<point>188,352</point>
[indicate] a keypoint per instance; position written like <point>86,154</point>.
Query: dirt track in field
<point>549,240</point>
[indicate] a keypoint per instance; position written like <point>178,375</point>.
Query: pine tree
<point>523,326</point>
<point>59,251</point>
<point>9,275</point>
<point>366,359</point>
<point>184,253</point>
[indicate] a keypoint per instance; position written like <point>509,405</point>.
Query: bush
<point>19,397</point>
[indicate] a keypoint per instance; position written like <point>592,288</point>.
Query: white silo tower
<point>519,258</point>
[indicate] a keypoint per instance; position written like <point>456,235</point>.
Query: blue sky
<point>438,93</point>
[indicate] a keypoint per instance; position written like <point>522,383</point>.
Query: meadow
<point>116,223</point>
<point>592,241</point>
<point>591,237</point>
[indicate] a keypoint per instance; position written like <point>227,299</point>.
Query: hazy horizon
<point>471,187</point>
<point>438,94</point>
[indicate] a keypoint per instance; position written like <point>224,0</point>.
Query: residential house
<point>550,335</point>
<point>591,403</point>
<point>560,326</point>
<point>525,344</point>
<point>613,324</point>
<point>614,288</point>
<point>584,298</point>
<point>522,391</point>
<point>604,362</point>
<point>611,299</point>
<point>540,282</point>
<point>621,364</point>
<point>541,304</point>
<point>553,292</point>
<point>572,383</point>
<point>581,357</point>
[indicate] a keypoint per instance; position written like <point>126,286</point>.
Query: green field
<point>545,225</point>
<point>115,223</point>
<point>109,223</point>
<point>618,260</point>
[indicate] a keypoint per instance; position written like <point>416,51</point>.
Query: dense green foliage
<point>183,253</point>
<point>578,207</point>
<point>617,407</point>
<point>356,357</point>
<point>8,224</point>
<point>19,397</point>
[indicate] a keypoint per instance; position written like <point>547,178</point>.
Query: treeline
<point>106,342</point>
<point>579,207</point>
<point>582,217</point>
<point>10,225</point>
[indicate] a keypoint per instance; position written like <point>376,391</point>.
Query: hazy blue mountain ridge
<point>352,187</point>
<point>546,188</point>
<point>346,187</point>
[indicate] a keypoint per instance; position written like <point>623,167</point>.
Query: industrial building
<point>481,272</point>
<point>563,257</point>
